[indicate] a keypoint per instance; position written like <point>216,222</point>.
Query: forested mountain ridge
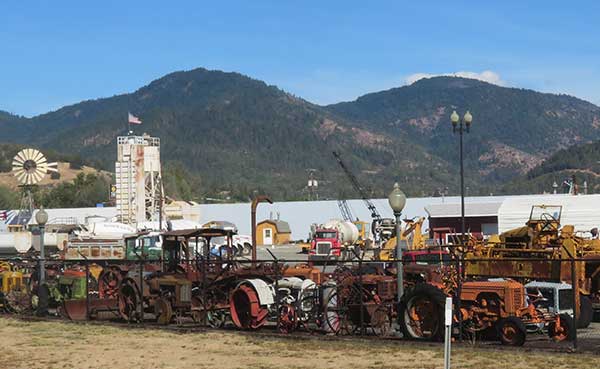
<point>513,129</point>
<point>230,136</point>
<point>581,161</point>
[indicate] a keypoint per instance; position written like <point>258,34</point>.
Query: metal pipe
<point>258,199</point>
<point>42,291</point>
<point>399,264</point>
<point>42,256</point>
<point>459,263</point>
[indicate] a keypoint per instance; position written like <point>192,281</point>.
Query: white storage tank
<point>347,230</point>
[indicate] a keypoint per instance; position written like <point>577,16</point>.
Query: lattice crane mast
<point>345,210</point>
<point>363,194</point>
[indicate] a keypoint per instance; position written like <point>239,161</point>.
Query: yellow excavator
<point>411,234</point>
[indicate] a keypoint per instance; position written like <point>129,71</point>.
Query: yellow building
<point>273,232</point>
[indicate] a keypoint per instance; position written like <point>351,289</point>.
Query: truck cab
<point>325,244</point>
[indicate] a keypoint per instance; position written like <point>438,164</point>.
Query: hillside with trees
<point>228,136</point>
<point>579,161</point>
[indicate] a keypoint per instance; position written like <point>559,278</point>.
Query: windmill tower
<point>29,166</point>
<point>139,192</point>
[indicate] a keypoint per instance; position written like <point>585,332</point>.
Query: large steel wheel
<point>109,282</point>
<point>129,300</point>
<point>163,311</point>
<point>18,302</point>
<point>208,314</point>
<point>337,314</point>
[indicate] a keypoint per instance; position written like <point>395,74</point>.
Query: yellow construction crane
<point>411,234</point>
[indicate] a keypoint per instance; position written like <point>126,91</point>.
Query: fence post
<point>87,290</point>
<point>277,307</point>
<point>460,264</point>
<point>141,304</point>
<point>360,287</point>
<point>448,331</point>
<point>204,302</point>
<point>575,288</point>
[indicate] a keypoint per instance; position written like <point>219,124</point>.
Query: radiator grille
<point>323,248</point>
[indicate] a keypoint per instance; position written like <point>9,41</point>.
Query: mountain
<point>227,135</point>
<point>513,129</point>
<point>581,161</point>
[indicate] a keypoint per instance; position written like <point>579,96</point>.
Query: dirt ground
<point>81,346</point>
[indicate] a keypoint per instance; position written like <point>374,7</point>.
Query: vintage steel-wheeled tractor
<point>487,308</point>
<point>354,302</point>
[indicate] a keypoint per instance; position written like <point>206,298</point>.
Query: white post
<point>448,333</point>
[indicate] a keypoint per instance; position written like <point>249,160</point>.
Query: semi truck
<point>335,239</point>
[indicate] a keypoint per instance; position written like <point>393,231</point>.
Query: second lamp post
<point>459,126</point>
<point>397,200</point>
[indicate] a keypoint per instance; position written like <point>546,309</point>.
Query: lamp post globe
<point>397,199</point>
<point>41,217</point>
<point>454,118</point>
<point>468,118</point>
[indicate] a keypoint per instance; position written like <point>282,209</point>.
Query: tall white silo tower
<point>139,194</point>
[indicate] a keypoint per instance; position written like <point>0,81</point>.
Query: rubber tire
<point>437,296</point>
<point>586,312</point>
<point>566,320</point>
<point>519,338</point>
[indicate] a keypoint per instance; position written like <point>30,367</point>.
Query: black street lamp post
<point>461,126</point>
<point>397,200</point>
<point>41,217</point>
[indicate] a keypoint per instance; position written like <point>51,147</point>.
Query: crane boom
<point>345,210</point>
<point>363,194</point>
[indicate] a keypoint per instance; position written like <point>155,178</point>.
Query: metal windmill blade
<point>30,166</point>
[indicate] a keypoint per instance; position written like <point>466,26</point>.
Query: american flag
<point>133,119</point>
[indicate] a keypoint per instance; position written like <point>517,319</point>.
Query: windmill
<point>29,167</point>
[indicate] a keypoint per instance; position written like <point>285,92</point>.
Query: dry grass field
<point>80,346</point>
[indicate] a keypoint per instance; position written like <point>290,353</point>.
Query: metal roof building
<point>582,211</point>
<point>481,219</point>
<point>478,209</point>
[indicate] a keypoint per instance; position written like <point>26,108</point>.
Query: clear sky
<point>54,53</point>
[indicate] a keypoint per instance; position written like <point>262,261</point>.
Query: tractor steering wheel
<point>548,222</point>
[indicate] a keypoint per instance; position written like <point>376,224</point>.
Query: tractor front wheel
<point>511,331</point>
<point>561,329</point>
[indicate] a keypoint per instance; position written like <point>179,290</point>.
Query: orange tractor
<point>495,308</point>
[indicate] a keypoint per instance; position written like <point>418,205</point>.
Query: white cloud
<point>486,76</point>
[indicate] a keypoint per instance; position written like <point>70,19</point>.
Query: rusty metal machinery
<point>543,250</point>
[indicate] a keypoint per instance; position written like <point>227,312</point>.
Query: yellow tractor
<point>12,287</point>
<point>411,234</point>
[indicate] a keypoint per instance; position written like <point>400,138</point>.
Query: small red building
<point>481,219</point>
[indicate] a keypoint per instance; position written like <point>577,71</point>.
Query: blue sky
<point>54,53</point>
